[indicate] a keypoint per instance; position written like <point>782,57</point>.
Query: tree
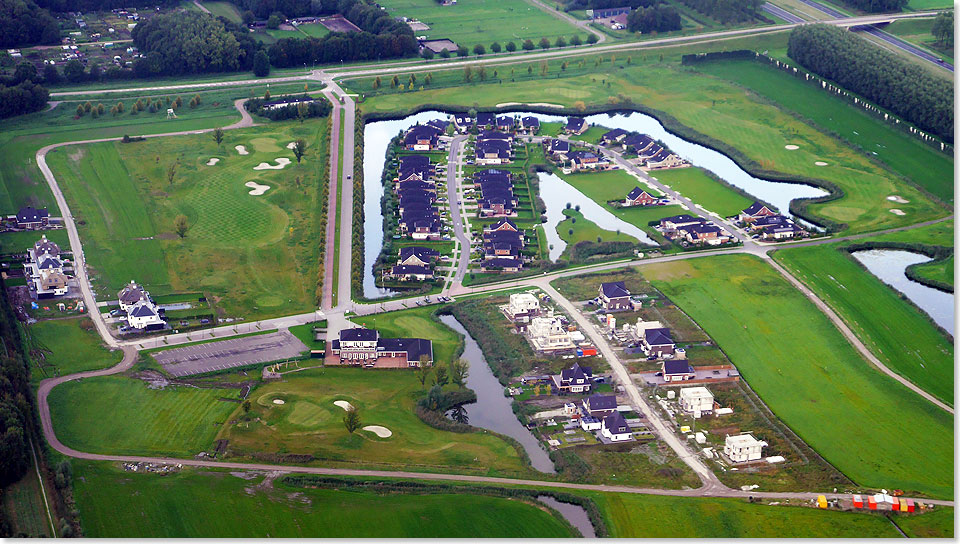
<point>462,51</point>
<point>592,39</point>
<point>440,376</point>
<point>423,373</point>
<point>495,47</point>
<point>479,49</point>
<point>376,83</point>
<point>580,106</point>
<point>218,136</point>
<point>942,28</point>
<point>575,40</point>
<point>459,371</point>
<point>482,73</point>
<point>190,42</point>
<point>25,71</point>
<point>50,75</point>
<point>528,45</point>
<point>467,74</point>
<point>246,406</point>
<point>427,53</point>
<point>351,420</point>
<point>511,47</point>
<point>275,20</point>
<point>434,397</point>
<point>395,82</point>
<point>248,17</point>
<point>171,171</point>
<point>561,42</point>
<point>444,53</point>
<point>299,149</point>
<point>301,114</point>
<point>79,110</point>
<point>73,71</point>
<point>261,64</point>
<point>544,43</point>
<point>181,225</point>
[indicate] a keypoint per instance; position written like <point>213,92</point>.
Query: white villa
<point>548,334</point>
<point>142,312</point>
<point>45,269</point>
<point>696,400</point>
<point>522,307</point>
<point>743,448</point>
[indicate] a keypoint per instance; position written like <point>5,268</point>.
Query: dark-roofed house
<point>486,120</point>
<point>144,315</point>
<point>615,429</point>
<point>576,379</point>
<point>665,159</point>
<point>417,256</point>
<point>677,370</point>
<point>462,121</point>
<point>675,222</point>
<point>559,148</point>
<point>615,297</point>
<point>529,125</point>
<point>575,125</point>
<point>130,295</point>
<point>639,197</point>
<point>755,211</point>
<point>501,264</point>
<point>411,272</point>
<point>614,136</point>
<point>421,138</point>
<point>776,227</point>
<point>505,122</point>
<point>703,233</point>
<point>638,143</point>
<point>603,13</point>
<point>360,346</point>
<point>29,218</point>
<point>501,225</point>
<point>44,246</point>
<point>586,160</point>
<point>657,342</point>
<point>492,152</point>
<point>599,406</point>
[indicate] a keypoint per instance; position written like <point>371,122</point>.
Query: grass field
<point>937,271</point>
<point>483,21</point>
<point>694,184</point>
<point>894,330</point>
<point>315,30</point>
<point>902,153</point>
<point>219,504</point>
<point>417,323</point>
<point>713,107</point>
<point>936,524</point>
<point>917,32</point>
<point>811,378</point>
<point>121,415</point>
<point>254,254</point>
<point>23,506</point>
<point>921,5</point>
<point>224,9</point>
<point>585,230</point>
<point>67,346</point>
<point>629,516</point>
<point>308,423</point>
<point>12,242</point>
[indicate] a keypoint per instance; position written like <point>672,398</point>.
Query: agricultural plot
<point>309,425</point>
<point>897,332</point>
<point>256,253</point>
<point>122,415</point>
<point>67,346</point>
<point>755,131</point>
<point>219,504</point>
<point>696,185</point>
<point>482,21</point>
<point>23,508</point>
<point>224,9</point>
<point>809,375</point>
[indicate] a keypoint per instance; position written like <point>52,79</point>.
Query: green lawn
<point>922,5</point>
<point>694,184</point>
<point>809,375</point>
<point>606,185</point>
<point>219,504</point>
<point>418,322</point>
<point>586,231</point>
<point>122,416</point>
<point>714,108</point>
<point>902,153</point>
<point>309,423</point>
<point>12,242</point>
<point>941,271</point>
<point>23,506</point>
<point>67,346</point>
<point>483,21</point>
<point>305,334</point>
<point>647,516</point>
<point>936,524</point>
<point>224,9</point>
<point>917,32</point>
<point>894,330</point>
<point>315,30</point>
<point>255,254</point>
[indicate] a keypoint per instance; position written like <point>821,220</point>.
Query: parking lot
<point>213,356</point>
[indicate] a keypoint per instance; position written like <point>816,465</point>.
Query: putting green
<point>266,145</point>
<point>308,414</point>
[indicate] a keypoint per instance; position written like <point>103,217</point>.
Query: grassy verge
<point>66,346</point>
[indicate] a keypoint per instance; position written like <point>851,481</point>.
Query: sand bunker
<point>291,145</point>
<point>897,211</point>
<point>281,163</point>
<point>820,163</point>
<point>257,189</point>
<point>213,161</point>
<point>343,404</point>
<point>382,432</point>
<point>898,199</point>
<point>278,401</point>
<point>242,150</point>
<point>791,147</point>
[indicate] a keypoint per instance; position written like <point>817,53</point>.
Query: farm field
<point>23,508</point>
<point>309,424</point>
<point>67,346</point>
<point>483,21</point>
<point>255,254</point>
<point>810,377</point>
<point>920,5</point>
<point>224,9</point>
<point>219,504</point>
<point>720,112</point>
<point>902,153</point>
<point>417,323</point>
<point>13,242</point>
<point>898,333</point>
<point>121,415</point>
<point>628,516</point>
<point>936,524</point>
<point>696,185</point>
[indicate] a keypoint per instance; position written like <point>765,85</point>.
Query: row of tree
<point>727,11</point>
<point>17,416</point>
<point>942,28</point>
<point>23,23</point>
<point>601,4</point>
<point>102,5</point>
<point>299,110</point>
<point>658,18</point>
<point>877,6</point>
<point>190,43</point>
<point>892,82</point>
<point>25,97</point>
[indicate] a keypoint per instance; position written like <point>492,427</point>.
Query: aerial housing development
<point>453,269</point>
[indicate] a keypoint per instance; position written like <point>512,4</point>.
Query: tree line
<point>298,110</point>
<point>601,4</point>
<point>103,5</point>
<point>17,415</point>
<point>892,82</point>
<point>21,98</point>
<point>727,11</point>
<point>656,18</point>
<point>942,28</point>
<point>190,43</point>
<point>24,23</point>
<point>877,6</point>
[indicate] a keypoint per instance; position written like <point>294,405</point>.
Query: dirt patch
<point>76,154</point>
<point>245,475</point>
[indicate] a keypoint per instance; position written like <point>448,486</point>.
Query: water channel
<point>492,410</point>
<point>890,266</point>
<point>377,137</point>
<point>574,513</point>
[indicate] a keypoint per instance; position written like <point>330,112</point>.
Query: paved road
<point>875,31</point>
<point>456,210</point>
<point>344,287</point>
<point>781,13</point>
<point>326,300</point>
<point>581,24</point>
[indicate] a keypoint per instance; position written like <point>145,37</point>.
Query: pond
<point>890,266</point>
<point>556,193</point>
<point>574,513</point>
<point>493,410</point>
